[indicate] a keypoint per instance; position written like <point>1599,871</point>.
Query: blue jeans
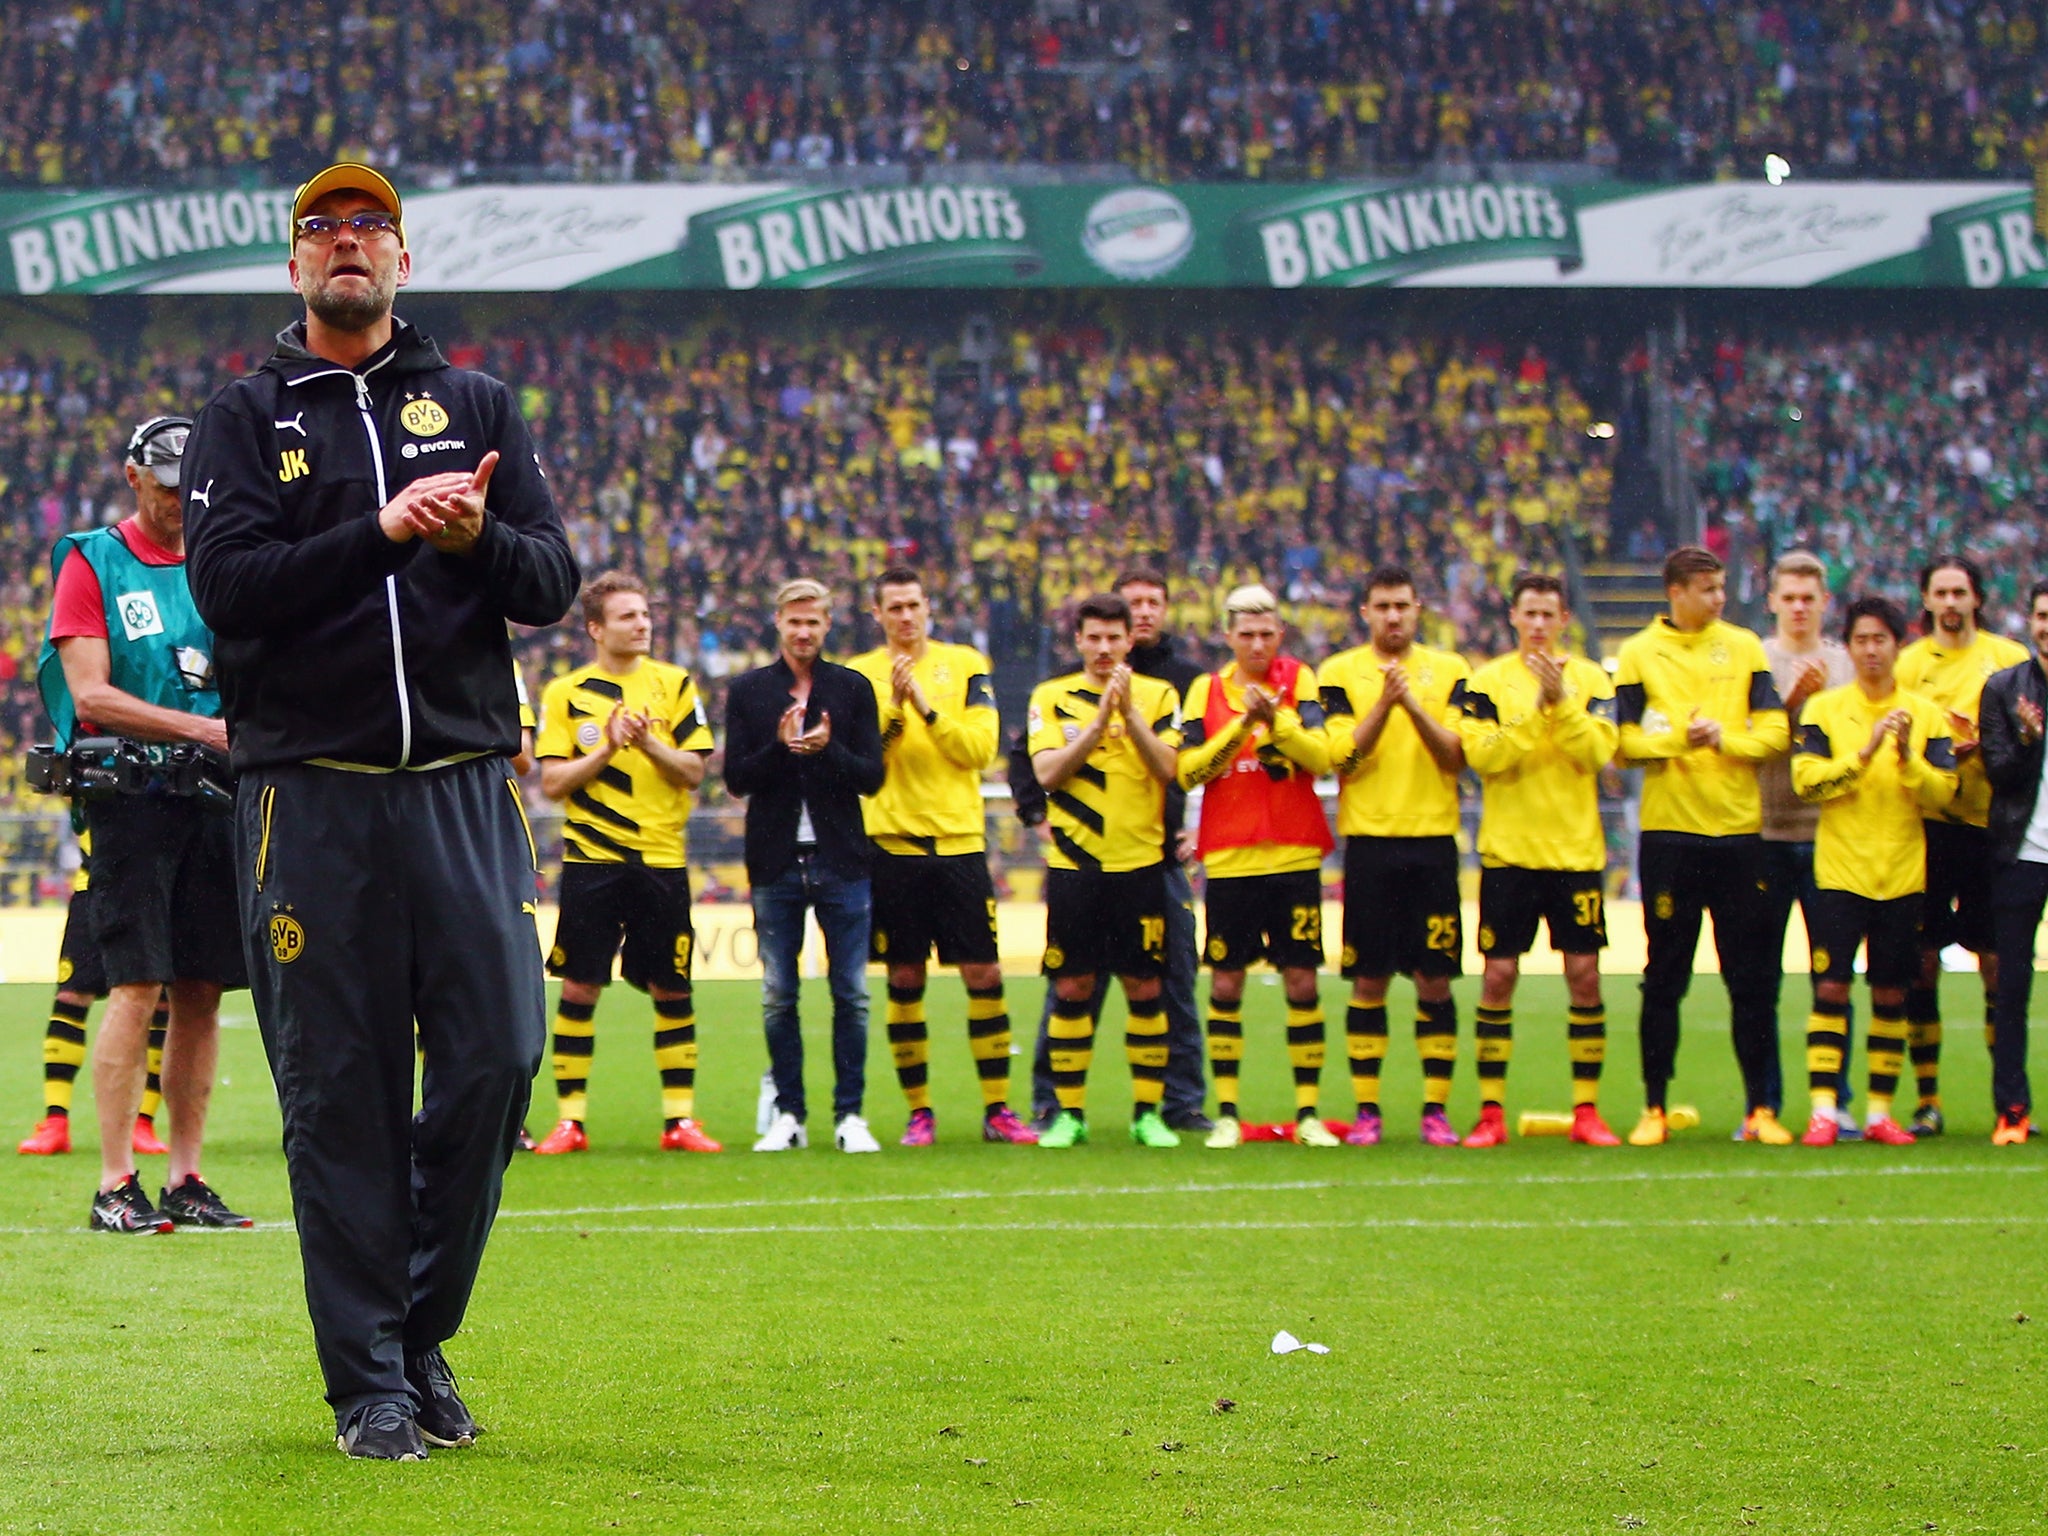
<point>842,908</point>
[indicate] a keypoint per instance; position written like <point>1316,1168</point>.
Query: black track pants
<point>372,903</point>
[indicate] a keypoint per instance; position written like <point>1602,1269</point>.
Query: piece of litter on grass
<point>1285,1343</point>
<point>1224,1404</point>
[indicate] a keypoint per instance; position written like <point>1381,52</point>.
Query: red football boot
<point>1821,1130</point>
<point>1491,1131</point>
<point>1589,1130</point>
<point>686,1135</point>
<point>566,1137</point>
<point>51,1136</point>
<point>144,1139</point>
<point>1887,1132</point>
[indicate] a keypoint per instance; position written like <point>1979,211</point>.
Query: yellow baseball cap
<point>347,176</point>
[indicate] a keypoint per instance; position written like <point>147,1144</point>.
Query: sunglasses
<point>325,227</point>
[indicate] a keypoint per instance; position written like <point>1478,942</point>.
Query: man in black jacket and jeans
<point>2009,734</point>
<point>802,745</point>
<point>362,521</point>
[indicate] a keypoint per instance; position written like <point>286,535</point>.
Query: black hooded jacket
<point>331,640</point>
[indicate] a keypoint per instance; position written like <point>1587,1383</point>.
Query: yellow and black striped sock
<point>63,1054</point>
<point>1071,1034</point>
<point>1145,1049</point>
<point>1493,1042</point>
<point>675,1054</point>
<point>575,1038</point>
<point>1436,1042</point>
<point>1226,1052</point>
<point>988,1037</point>
<point>1923,1037</point>
<point>1827,1042</point>
<point>1588,1047</point>
<point>1884,1048</point>
<point>910,1045</point>
<point>1365,1042</point>
<point>153,1078</point>
<point>1306,1047</point>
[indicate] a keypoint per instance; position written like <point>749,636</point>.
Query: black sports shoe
<point>1189,1120</point>
<point>125,1208</point>
<point>442,1418</point>
<point>381,1432</point>
<point>194,1204</point>
<point>1927,1122</point>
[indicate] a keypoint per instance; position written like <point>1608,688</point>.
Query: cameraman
<point>128,656</point>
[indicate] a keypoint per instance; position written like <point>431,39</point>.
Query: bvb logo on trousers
<point>287,938</point>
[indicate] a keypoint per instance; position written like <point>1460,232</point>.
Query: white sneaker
<point>784,1134</point>
<point>853,1135</point>
<point>764,1106</point>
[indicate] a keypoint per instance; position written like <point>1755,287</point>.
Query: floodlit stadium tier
<point>182,92</point>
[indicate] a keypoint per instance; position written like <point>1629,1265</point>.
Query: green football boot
<point>1148,1130</point>
<point>1067,1130</point>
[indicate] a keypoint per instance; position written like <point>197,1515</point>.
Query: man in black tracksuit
<point>2010,724</point>
<point>362,521</point>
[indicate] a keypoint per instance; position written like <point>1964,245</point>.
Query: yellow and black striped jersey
<point>526,716</point>
<point>1954,678</point>
<point>1539,767</point>
<point>1870,839</point>
<point>629,813</point>
<point>930,800</point>
<point>1665,677</point>
<point>1294,744</point>
<point>1111,815</point>
<point>1396,789</point>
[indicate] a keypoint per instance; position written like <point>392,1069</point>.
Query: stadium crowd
<point>126,94</point>
<point>714,467</point>
<point>1870,447</point>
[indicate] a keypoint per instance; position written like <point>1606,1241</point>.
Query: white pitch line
<point>1088,1192</point>
<point>1364,1223</point>
<point>1425,1181</point>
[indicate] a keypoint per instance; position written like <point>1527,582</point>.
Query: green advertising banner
<point>1501,231</point>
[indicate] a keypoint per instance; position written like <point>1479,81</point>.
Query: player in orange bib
<point>1253,738</point>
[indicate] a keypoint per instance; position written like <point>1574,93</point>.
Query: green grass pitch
<point>1540,1339</point>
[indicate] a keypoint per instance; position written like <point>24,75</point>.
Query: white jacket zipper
<point>390,582</point>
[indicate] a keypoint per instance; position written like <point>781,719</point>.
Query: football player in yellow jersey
<point>1103,742</point>
<point>1877,758</point>
<point>1252,736</point>
<point>1698,711</point>
<point>929,878</point>
<point>1538,726</point>
<point>81,981</point>
<point>622,744</point>
<point>1391,712</point>
<point>1949,665</point>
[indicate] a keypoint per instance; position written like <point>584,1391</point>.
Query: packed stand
<point>1219,89</point>
<point>1874,450</point>
<point>716,467</point>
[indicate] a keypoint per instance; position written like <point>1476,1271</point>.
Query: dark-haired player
<point>929,876</point>
<point>1877,758</point>
<point>1698,711</point>
<point>1392,715</point>
<point>1538,726</point>
<point>1103,743</point>
<point>1948,665</point>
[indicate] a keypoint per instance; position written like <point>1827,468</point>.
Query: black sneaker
<point>1927,1122</point>
<point>125,1208</point>
<point>1189,1120</point>
<point>442,1418</point>
<point>381,1432</point>
<point>194,1204</point>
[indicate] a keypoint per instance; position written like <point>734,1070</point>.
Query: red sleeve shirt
<point>79,607</point>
